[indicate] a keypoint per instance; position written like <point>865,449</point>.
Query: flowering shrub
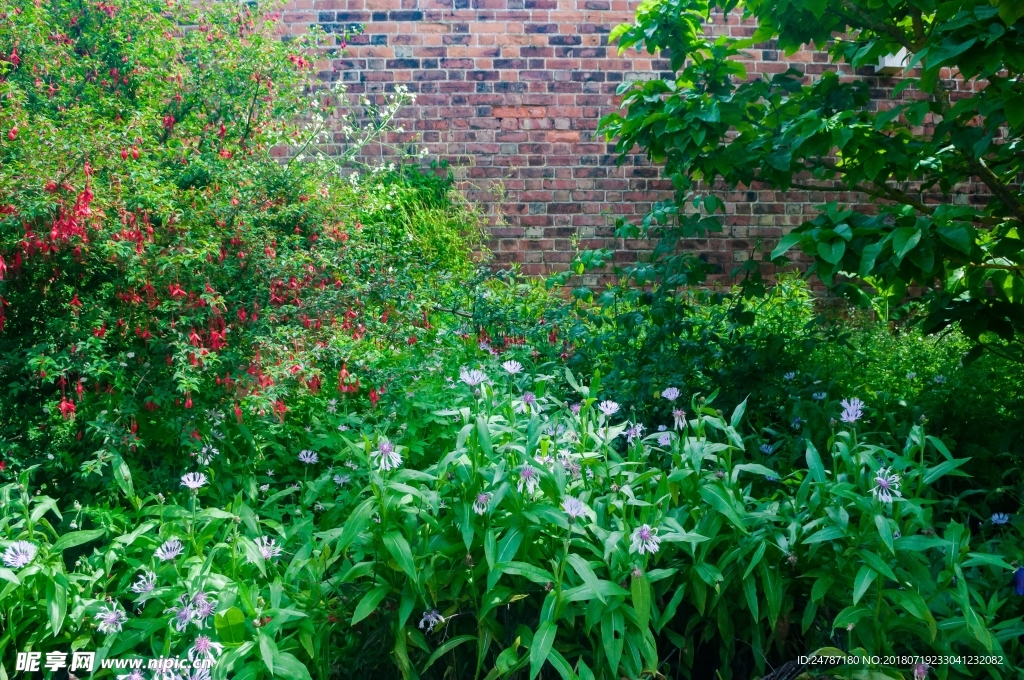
<point>538,530</point>
<point>161,272</point>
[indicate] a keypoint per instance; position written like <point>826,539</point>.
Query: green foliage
<point>165,264</point>
<point>713,127</point>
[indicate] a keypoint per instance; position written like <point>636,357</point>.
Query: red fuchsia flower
<point>194,339</point>
<point>3,465</point>
<point>374,397</point>
<point>75,302</point>
<point>169,122</point>
<point>67,408</point>
<point>100,331</point>
<point>280,408</point>
<point>238,414</point>
<point>176,291</point>
<point>13,133</point>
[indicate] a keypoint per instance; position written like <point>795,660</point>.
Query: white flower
<point>193,480</point>
<point>472,378</point>
<point>20,554</point>
<point>109,619</point>
<point>671,393</point>
<point>480,504</point>
<point>389,457</point>
<point>665,439</point>
<point>431,619</point>
<point>264,487</point>
<point>169,550</point>
<point>332,406</point>
<point>146,582</point>
<point>644,540</point>
<point>574,507</point>
<point>308,457</point>
<point>608,408</point>
<point>268,547</point>
<point>886,485</point>
<point>512,367</point>
<point>1000,518</point>
<point>206,454</point>
<point>679,419</point>
<point>342,480</point>
<point>529,478</point>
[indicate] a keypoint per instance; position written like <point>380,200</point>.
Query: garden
<point>270,410</point>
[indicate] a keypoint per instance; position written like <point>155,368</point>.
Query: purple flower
<point>574,507</point>
<point>679,418</point>
<point>766,449</point>
<point>205,648</point>
<point>389,457</point>
<point>308,457</point>
<point>819,396</point>
<point>644,540</point>
<point>183,615</point>
<point>342,480</point>
<point>851,410</point>
<point>431,619</point>
<point>529,478</point>
<point>146,582</point>
<point>1000,518</point>
<point>480,504</point>
<point>634,432</point>
<point>1018,581</point>
<point>268,547</point>
<point>665,439</point>
<point>608,408</point>
<point>204,607</point>
<point>886,485</point>
<point>788,376</point>
<point>136,674</point>
<point>575,408</point>
<point>109,619</point>
<point>670,393</point>
<point>19,554</point>
<point>169,550</point>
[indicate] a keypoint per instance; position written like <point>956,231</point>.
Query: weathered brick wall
<point>511,92</point>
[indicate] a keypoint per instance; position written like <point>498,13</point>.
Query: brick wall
<point>511,92</point>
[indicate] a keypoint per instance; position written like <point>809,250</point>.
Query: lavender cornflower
<point>671,393</point>
<point>766,449</point>
<point>193,480</point>
<point>264,487</point>
<point>431,619</point>
<point>528,477</point>
<point>939,379</point>
<point>183,615</point>
<point>788,376</point>
<point>574,508</point>
<point>1000,518</point>
<point>204,607</point>
<point>608,408</point>
<point>136,674</point>
<point>512,367</point>
<point>529,402</point>
<point>665,439</point>
<point>575,408</point>
<point>644,540</point>
<point>921,671</point>
<point>886,485</point>
<point>851,410</point>
<point>308,457</point>
<point>205,648</point>
<point>472,378</point>
<point>169,550</point>
<point>268,547</point>
<point>389,457</point>
<point>797,421</point>
<point>109,619</point>
<point>634,432</point>
<point>342,480</point>
<point>332,406</point>
<point>573,468</point>
<point>20,554</point>
<point>819,396</point>
<point>679,419</point>
<point>1018,581</point>
<point>146,583</point>
<point>480,504</point>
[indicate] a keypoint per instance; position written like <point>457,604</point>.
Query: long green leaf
<point>541,646</point>
<point>369,603</point>
<point>447,647</point>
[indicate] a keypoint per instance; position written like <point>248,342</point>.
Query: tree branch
<point>877,26</point>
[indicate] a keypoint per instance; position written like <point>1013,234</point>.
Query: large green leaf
<point>541,646</point>
<point>369,602</point>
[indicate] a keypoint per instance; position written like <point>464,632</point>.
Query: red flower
<point>67,408</point>
<point>169,122</point>
<point>13,133</point>
<point>238,414</point>
<point>374,397</point>
<point>100,331</point>
<point>176,291</point>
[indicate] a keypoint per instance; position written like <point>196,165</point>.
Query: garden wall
<point>511,92</point>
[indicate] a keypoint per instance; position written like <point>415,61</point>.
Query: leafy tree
<point>952,123</point>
